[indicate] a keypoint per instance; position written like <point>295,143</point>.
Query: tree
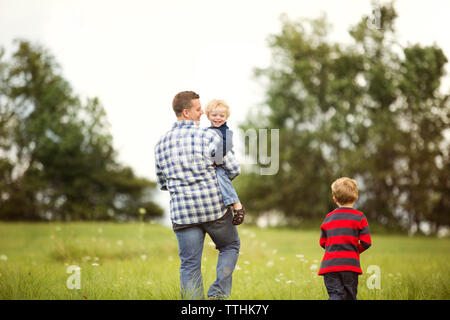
<point>57,159</point>
<point>363,110</point>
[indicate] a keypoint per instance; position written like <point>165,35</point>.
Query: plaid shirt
<point>184,159</point>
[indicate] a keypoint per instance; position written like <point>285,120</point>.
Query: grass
<point>140,261</point>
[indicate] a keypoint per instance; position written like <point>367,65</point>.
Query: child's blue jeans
<point>229,194</point>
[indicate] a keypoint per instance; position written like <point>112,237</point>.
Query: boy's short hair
<point>183,100</point>
<point>345,190</point>
<point>214,104</point>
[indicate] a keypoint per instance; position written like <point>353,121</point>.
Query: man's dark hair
<point>183,100</point>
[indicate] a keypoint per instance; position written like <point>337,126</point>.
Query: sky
<point>136,55</point>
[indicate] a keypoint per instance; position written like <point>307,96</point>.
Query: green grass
<point>136,261</point>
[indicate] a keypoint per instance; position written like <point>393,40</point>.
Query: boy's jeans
<point>341,285</point>
<point>190,243</point>
<point>229,194</point>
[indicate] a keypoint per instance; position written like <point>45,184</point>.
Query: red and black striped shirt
<point>344,235</point>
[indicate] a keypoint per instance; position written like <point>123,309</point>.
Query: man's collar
<point>184,123</point>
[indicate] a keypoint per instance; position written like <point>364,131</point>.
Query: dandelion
<point>3,257</point>
<point>95,264</point>
<point>237,268</point>
<point>299,255</point>
<point>247,262</point>
<point>100,230</point>
<point>149,283</point>
<point>290,281</point>
<point>313,267</point>
<point>269,263</point>
<point>282,258</point>
<point>119,242</point>
<point>277,280</point>
<point>144,257</point>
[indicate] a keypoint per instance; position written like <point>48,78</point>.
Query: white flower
<point>299,255</point>
<point>269,263</point>
<point>4,257</point>
<point>247,262</point>
<point>119,242</point>
<point>313,267</point>
<point>144,257</point>
<point>277,280</point>
<point>100,230</point>
<point>95,264</point>
<point>237,268</point>
<point>290,281</point>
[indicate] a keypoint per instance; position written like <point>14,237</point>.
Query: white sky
<point>136,55</point>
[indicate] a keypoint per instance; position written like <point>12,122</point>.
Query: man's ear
<point>185,113</point>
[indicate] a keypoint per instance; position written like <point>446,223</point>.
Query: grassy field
<point>140,261</point>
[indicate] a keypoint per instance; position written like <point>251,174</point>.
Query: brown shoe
<point>239,215</point>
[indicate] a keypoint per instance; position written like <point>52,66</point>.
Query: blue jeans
<point>229,194</point>
<point>190,244</point>
<point>341,285</point>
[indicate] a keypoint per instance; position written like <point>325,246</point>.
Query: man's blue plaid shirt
<point>184,159</point>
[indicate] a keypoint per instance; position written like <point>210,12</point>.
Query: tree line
<point>57,160</point>
<point>373,109</point>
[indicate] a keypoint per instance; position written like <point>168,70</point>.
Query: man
<point>184,159</point>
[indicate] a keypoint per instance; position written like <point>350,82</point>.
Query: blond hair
<point>345,190</point>
<point>214,104</point>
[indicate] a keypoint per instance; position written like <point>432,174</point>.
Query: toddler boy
<point>344,236</point>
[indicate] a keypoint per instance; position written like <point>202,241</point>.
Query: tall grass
<point>140,261</point>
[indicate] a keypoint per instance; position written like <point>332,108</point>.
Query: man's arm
<point>160,179</point>
<point>231,166</point>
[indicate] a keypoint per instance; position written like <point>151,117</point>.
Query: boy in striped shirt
<point>344,236</point>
